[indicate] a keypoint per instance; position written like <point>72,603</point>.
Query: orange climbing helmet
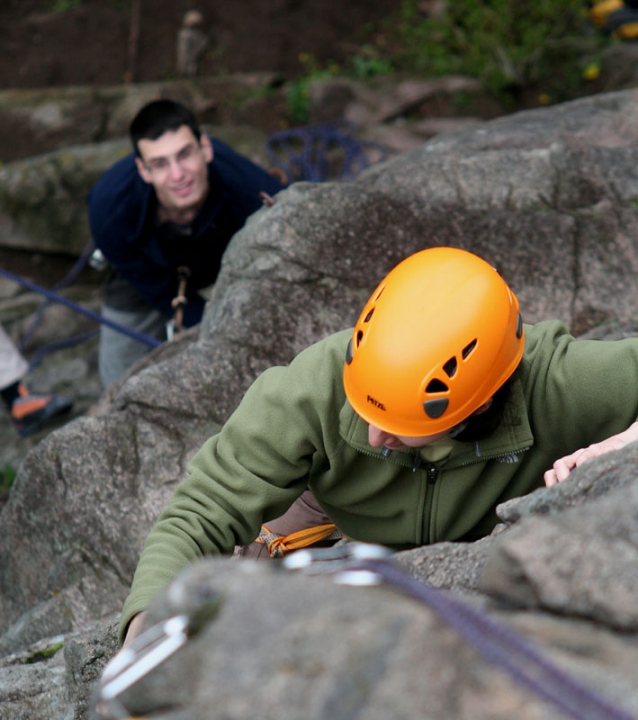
<point>438,337</point>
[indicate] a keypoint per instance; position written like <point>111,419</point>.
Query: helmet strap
<point>457,429</point>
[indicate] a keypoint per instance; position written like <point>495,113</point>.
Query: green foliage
<point>547,47</point>
<point>44,654</point>
<point>298,92</point>
<point>298,101</point>
<point>367,63</point>
<point>256,92</point>
<point>7,477</point>
<point>62,6</point>
<point>508,44</point>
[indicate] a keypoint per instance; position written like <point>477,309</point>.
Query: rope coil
<point>305,153</point>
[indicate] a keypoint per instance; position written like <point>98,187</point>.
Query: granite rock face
<point>550,198</point>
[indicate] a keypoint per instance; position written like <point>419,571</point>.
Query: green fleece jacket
<point>294,430</point>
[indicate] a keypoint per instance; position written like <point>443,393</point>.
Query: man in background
<point>162,217</point>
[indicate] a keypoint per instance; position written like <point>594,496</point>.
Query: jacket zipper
<point>431,476</point>
<point>432,473</point>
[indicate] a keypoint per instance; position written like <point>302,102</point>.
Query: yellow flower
<point>591,72</point>
<point>544,99</point>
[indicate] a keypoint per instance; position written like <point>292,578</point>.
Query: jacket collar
<point>512,435</point>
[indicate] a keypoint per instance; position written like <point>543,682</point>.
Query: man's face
<point>175,165</point>
<point>380,438</point>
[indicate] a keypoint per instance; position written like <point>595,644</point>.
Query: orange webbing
<point>279,545</point>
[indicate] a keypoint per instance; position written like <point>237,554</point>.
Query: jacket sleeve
<point>582,391</point>
<point>250,472</point>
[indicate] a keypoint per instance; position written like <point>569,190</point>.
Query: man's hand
<point>563,466</point>
<point>134,628</point>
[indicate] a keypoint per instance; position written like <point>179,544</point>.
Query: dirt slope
<point>105,42</point>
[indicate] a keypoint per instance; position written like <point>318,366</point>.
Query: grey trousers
<point>118,352</point>
<point>124,305</point>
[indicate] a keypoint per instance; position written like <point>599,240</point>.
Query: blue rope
<point>64,282</point>
<point>59,345</point>
<point>505,648</point>
<point>56,297</point>
<point>302,153</point>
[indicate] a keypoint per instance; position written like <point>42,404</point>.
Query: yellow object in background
<point>616,18</point>
<point>602,10</point>
<point>591,72</point>
<point>627,31</point>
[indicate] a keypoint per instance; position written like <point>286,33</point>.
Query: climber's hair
<point>158,117</point>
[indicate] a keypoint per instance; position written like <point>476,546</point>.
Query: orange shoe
<point>31,410</point>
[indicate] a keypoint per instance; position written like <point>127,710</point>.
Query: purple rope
<point>59,345</point>
<point>310,161</point>
<point>505,648</point>
<point>55,297</point>
<point>66,280</point>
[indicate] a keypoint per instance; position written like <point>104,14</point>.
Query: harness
<point>279,545</point>
<point>178,303</point>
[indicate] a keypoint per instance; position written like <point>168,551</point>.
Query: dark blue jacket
<point>122,217</point>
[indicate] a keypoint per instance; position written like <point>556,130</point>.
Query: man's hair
<point>158,117</point>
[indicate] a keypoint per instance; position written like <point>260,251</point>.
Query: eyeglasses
<point>183,157</point>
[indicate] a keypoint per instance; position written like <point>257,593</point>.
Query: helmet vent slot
<point>468,349</point>
<point>368,316</point>
<point>435,408</point>
<point>450,367</point>
<point>436,386</point>
<point>349,354</point>
<point>359,338</point>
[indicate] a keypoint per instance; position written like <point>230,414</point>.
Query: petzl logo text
<point>376,403</point>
